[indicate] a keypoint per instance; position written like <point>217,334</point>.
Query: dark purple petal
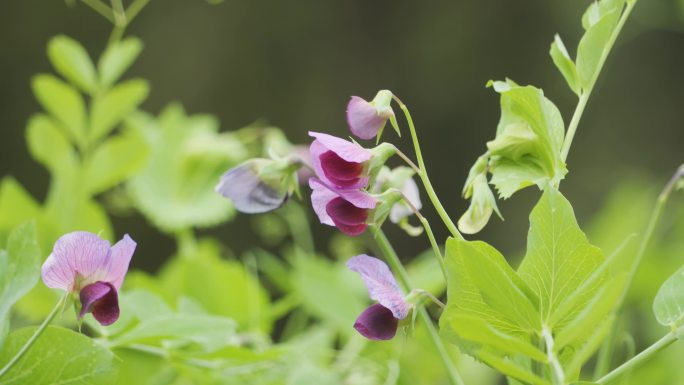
<point>350,219</point>
<point>322,194</point>
<point>341,173</point>
<point>377,323</point>
<point>363,118</point>
<point>248,193</point>
<point>101,299</point>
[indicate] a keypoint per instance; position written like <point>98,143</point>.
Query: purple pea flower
<point>348,210</point>
<point>83,263</point>
<point>248,191</point>
<point>366,119</point>
<point>338,162</point>
<point>380,320</point>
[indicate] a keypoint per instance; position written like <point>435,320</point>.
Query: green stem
<point>584,96</point>
<point>422,173</point>
<point>101,8</point>
<point>607,348</point>
<point>35,336</point>
<point>405,282</point>
<point>655,217</point>
<point>134,9</point>
<point>428,231</point>
<point>640,358</point>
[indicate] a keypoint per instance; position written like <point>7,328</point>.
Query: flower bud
<point>367,119</point>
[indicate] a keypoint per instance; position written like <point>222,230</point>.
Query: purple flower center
<point>101,299</point>
<point>377,323</point>
<point>350,219</point>
<point>339,171</point>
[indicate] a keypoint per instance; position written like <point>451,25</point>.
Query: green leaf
<point>593,46</point>
<point>486,285</point>
<point>528,140</point>
<point>510,368</point>
<point>114,161</point>
<point>559,257</point>
<point>16,204</point>
<point>561,58</point>
<point>71,60</point>
<point>111,108</point>
<point>116,59</point>
<point>48,145</point>
<point>210,332</point>
<point>175,190</point>
<point>320,283</point>
<point>20,267</point>
<point>668,305</point>
<point>64,103</point>
<point>59,356</point>
<point>222,287</point>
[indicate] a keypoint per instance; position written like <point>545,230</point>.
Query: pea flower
<point>338,162</point>
<point>380,320</point>
<point>367,119</point>
<point>348,210</point>
<point>251,192</point>
<point>83,263</point>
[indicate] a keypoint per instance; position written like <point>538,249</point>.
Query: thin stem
<point>405,282</point>
<point>35,336</point>
<point>557,369</point>
<point>407,160</point>
<point>655,217</point>
<point>640,358</point>
<point>584,96</point>
<point>134,9</point>
<point>422,172</point>
<point>428,231</point>
<point>101,8</point>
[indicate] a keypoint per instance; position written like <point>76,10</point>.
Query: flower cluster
<point>344,168</point>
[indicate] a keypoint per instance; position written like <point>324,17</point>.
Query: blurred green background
<point>295,64</point>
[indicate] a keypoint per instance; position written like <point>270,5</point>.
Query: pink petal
<point>380,283</point>
<point>320,196</point>
<point>120,258</point>
<point>102,300</point>
<point>349,151</point>
<point>377,323</point>
<point>363,118</point>
<point>75,254</point>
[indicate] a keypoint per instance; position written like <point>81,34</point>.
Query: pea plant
<point>282,313</point>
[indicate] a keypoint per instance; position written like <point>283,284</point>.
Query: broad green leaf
<point>511,176</point>
<point>319,283</point>
<point>473,328</point>
<point>593,46</point>
<point>668,305</point>
<point>59,356</point>
<point>71,60</point>
<point>64,103</point>
<point>112,107</point>
<point>114,161</point>
<point>222,287</point>
<point>175,190</point>
<point>588,346</point>
<point>116,60</point>
<point>16,204</point>
<point>486,285</point>
<point>20,266</point>
<point>561,58</point>
<point>598,9</point>
<point>210,332</point>
<point>559,257</point>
